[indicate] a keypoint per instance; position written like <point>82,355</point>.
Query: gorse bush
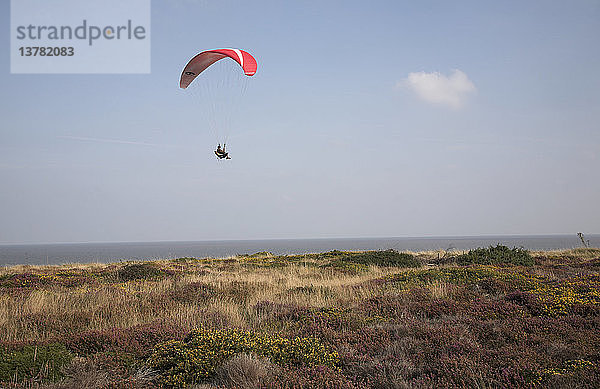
<point>196,359</point>
<point>260,254</point>
<point>540,295</point>
<point>578,294</point>
<point>184,260</point>
<point>466,276</point>
<point>496,255</point>
<point>28,362</point>
<point>568,370</point>
<point>139,271</point>
<point>38,280</point>
<point>387,258</point>
<point>23,280</point>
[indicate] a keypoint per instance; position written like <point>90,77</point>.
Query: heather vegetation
<point>493,318</point>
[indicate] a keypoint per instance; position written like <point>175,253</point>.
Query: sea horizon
<point>301,238</point>
<point>106,252</point>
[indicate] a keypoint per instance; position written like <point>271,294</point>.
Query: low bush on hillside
<point>387,258</point>
<point>197,358</point>
<point>495,256</point>
<point>27,362</point>
<point>140,271</point>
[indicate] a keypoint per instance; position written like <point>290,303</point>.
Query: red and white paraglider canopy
<point>206,58</point>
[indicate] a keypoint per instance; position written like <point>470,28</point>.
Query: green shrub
<point>496,255</point>
<point>330,254</point>
<point>261,254</point>
<point>203,351</point>
<point>184,260</point>
<point>139,271</point>
<point>385,258</point>
<point>28,362</point>
<point>467,276</point>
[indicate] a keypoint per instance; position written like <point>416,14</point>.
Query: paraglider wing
<point>206,58</point>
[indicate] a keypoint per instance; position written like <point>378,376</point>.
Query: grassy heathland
<point>493,317</point>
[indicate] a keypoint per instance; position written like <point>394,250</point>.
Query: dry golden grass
<point>349,303</point>
<point>440,289</point>
<point>44,312</point>
<point>580,253</point>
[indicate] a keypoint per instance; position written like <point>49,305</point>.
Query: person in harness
<point>221,153</point>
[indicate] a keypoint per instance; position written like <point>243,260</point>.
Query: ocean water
<point>52,254</point>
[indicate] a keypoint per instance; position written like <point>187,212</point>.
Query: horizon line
<point>483,236</point>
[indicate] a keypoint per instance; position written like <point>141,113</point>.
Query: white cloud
<point>437,88</point>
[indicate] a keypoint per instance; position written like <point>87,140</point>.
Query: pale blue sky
<point>333,142</point>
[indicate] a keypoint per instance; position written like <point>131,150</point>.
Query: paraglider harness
<point>221,153</point>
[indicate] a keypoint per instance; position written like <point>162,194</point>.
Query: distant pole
<point>582,238</point>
